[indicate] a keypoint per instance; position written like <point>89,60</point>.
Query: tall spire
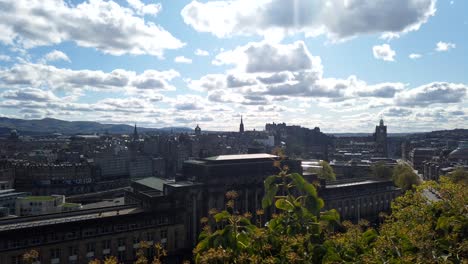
<point>241,127</point>
<point>135,133</point>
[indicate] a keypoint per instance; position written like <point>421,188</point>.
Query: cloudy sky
<point>336,64</point>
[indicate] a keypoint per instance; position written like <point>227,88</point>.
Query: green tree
<point>405,177</point>
<point>459,175</point>
<point>326,172</point>
<point>381,171</point>
<point>427,225</point>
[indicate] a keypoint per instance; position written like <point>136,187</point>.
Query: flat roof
<point>351,184</point>
<point>39,198</point>
<point>243,157</point>
<point>53,220</point>
<point>153,183</point>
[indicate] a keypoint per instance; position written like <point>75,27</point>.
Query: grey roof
<point>153,182</point>
<point>243,156</point>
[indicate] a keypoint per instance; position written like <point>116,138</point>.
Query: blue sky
<point>336,64</point>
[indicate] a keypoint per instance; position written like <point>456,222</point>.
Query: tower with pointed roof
<point>197,130</point>
<point>241,127</point>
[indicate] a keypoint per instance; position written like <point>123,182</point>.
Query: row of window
<point>72,252</point>
<point>89,232</point>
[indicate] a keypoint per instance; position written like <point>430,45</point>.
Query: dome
<point>461,153</point>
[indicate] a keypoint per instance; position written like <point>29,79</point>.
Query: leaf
<point>313,204</point>
<point>284,205</point>
<point>269,195</point>
<point>269,181</point>
<point>302,185</point>
<point>224,215</point>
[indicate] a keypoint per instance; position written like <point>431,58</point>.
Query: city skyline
<point>338,65</point>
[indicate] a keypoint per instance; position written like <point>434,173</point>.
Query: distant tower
<point>241,127</point>
<point>135,133</point>
<point>380,137</point>
<point>197,130</point>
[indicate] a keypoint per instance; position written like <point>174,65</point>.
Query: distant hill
<point>51,125</point>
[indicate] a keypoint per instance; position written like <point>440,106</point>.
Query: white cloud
<point>383,52</point>
<point>444,46</point>
<point>103,25</point>
<point>337,18</point>
<point>433,93</point>
<point>56,55</point>
<point>30,94</point>
<point>268,58</point>
<point>414,56</point>
<point>200,52</point>
<point>182,59</point>
<point>142,9</point>
<point>41,75</point>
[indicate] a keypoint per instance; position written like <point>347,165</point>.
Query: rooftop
<point>242,157</point>
<point>153,183</point>
<point>75,216</point>
<point>38,198</point>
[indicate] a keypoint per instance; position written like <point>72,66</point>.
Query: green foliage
<point>381,171</point>
<point>405,177</point>
<point>427,225</point>
<point>460,175</point>
<point>294,235</point>
<point>326,172</point>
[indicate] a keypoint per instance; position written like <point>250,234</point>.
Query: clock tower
<point>380,139</point>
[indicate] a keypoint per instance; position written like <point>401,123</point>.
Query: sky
<point>340,65</point>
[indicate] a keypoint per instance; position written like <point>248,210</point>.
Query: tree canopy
<point>381,171</point>
<point>405,177</point>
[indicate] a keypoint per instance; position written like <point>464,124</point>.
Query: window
<point>105,229</point>
<point>121,242</point>
<point>176,238</point>
<point>71,235</point>
<point>121,256</point>
<point>150,236</point>
<point>136,239</point>
<point>90,247</point>
<point>89,232</point>
<point>16,259</point>
<point>72,250</point>
<point>55,253</point>
<point>106,244</point>
<point>163,233</point>
<point>121,227</point>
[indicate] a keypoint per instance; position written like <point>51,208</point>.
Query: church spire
<point>241,127</point>
<point>135,133</point>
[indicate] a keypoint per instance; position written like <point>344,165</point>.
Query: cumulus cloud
<point>99,24</point>
<point>56,55</point>
<point>182,59</point>
<point>433,93</point>
<point>200,52</point>
<point>41,75</point>
<point>336,18</point>
<point>444,46</point>
<point>142,9</point>
<point>397,112</point>
<point>414,56</point>
<point>270,58</point>
<point>383,52</point>
<point>282,71</point>
<point>30,94</point>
